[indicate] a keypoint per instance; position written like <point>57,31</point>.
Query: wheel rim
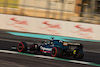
<point>74,52</point>
<point>54,52</point>
<point>20,47</point>
<point>78,54</point>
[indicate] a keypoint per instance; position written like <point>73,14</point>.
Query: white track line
<point>6,51</point>
<point>82,62</point>
<point>47,57</point>
<point>14,41</point>
<point>43,56</point>
<point>92,51</point>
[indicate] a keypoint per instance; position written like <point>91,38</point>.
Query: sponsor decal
<point>18,24</point>
<point>15,21</point>
<point>50,27</point>
<point>83,31</point>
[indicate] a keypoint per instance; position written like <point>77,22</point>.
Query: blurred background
<point>87,11</point>
<point>38,20</point>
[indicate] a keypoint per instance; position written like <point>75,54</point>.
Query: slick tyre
<point>56,52</point>
<point>22,47</point>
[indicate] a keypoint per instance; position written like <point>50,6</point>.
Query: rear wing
<point>76,44</point>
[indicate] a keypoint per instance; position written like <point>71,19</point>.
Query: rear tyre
<point>22,47</point>
<point>56,52</point>
<point>78,53</point>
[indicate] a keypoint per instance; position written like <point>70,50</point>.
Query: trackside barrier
<point>50,26</point>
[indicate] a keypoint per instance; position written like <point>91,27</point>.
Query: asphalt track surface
<point>11,60</point>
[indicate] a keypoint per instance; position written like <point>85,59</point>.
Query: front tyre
<point>78,53</point>
<point>22,47</point>
<point>56,52</point>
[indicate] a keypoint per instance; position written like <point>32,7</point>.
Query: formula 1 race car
<point>56,48</point>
